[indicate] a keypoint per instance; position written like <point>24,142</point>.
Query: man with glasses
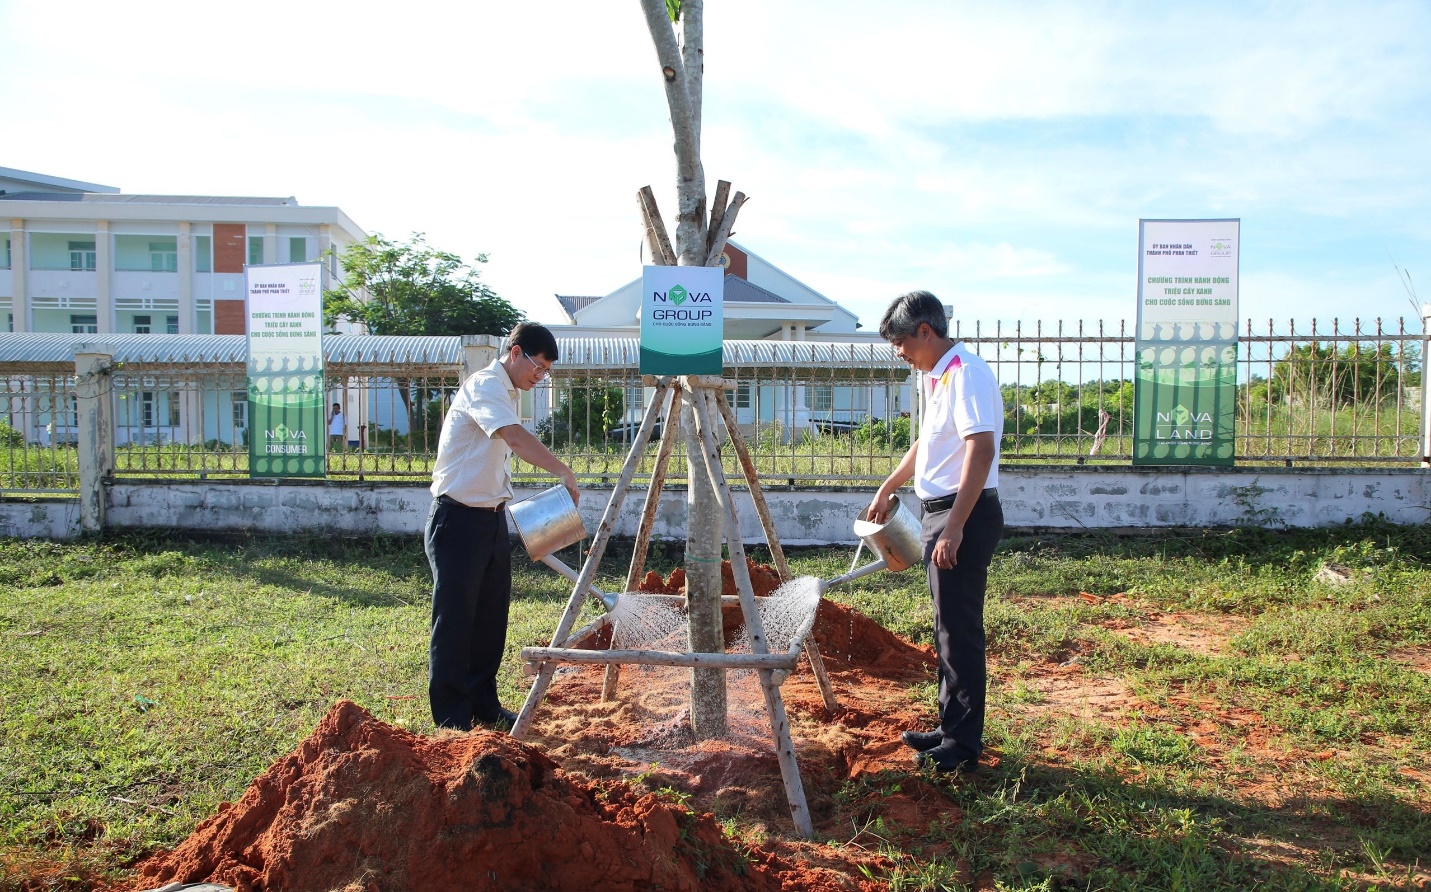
<point>466,538</point>
<point>955,466</point>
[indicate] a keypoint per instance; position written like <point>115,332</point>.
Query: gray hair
<point>909,311</point>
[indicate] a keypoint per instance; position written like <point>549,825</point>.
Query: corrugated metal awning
<point>56,352</point>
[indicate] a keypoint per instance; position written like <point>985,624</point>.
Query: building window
<point>146,408</point>
<point>173,410</point>
<point>255,250</point>
<point>740,397</point>
<point>5,255</point>
<point>203,254</point>
<point>84,324</point>
<point>297,250</point>
<point>142,324</point>
<point>82,256</point>
<point>163,257</point>
<point>171,324</point>
<point>820,397</point>
<point>240,398</point>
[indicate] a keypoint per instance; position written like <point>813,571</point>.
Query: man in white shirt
<point>955,465</point>
<point>466,537</point>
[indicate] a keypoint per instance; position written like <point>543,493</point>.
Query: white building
<point>85,258</point>
<point>763,303</point>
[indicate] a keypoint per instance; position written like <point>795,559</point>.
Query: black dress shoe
<point>945,760</point>
<point>502,721</point>
<point>922,740</point>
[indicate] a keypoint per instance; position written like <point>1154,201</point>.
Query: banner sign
<point>1185,393</point>
<point>285,371</point>
<point>682,320</point>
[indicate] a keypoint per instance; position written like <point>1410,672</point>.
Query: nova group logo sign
<point>682,320</point>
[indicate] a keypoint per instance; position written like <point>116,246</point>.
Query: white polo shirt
<point>473,466</point>
<point>961,398</point>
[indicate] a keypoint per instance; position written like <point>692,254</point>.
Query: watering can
<point>548,522</point>
<point>896,542</point>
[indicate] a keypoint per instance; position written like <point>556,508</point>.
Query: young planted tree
<point>676,31</point>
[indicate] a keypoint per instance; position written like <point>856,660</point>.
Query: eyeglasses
<point>541,371</point>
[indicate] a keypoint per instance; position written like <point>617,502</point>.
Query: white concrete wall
<point>1033,498</point>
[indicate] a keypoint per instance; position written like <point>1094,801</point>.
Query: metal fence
<point>814,414</point>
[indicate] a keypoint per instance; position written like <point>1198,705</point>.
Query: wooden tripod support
<point>707,398</point>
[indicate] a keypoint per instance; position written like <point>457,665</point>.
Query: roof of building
<point>103,198</point>
<point>54,353</point>
<point>572,304</point>
<point>40,179</point>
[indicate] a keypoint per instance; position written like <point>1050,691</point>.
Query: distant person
<point>337,428</point>
<point>954,461</point>
<point>466,538</point>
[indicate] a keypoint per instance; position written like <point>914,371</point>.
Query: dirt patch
<point>1418,658</point>
<point>1207,636</point>
<point>1069,691</point>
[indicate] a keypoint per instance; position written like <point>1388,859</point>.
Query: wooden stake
<point>717,242</point>
<point>662,254</point>
<point>717,215</point>
<point>779,723</point>
<point>612,679</point>
<point>757,495</point>
<point>589,568</point>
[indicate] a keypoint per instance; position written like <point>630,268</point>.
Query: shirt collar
<point>943,365</point>
<point>501,372</point>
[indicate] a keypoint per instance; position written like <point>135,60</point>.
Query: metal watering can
<point>548,522</point>
<point>896,542</point>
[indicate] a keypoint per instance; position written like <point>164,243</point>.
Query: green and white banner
<point>285,371</point>
<point>1185,393</point>
<point>682,320</point>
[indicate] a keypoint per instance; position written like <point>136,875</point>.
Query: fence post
<point>1425,387</point>
<point>478,351</point>
<point>95,408</point>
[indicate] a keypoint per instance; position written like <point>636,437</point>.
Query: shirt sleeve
<point>489,407</point>
<point>977,405</point>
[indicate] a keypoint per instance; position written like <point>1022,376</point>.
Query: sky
<point>999,155</point>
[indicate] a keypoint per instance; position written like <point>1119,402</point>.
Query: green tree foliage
<point>1058,407</point>
<point>1317,376</point>
<point>414,289</point>
<point>586,411</point>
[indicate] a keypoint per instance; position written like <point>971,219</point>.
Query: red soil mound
<point>362,805</point>
<point>763,579</point>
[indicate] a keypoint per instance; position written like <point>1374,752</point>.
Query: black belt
<point>449,500</point>
<point>944,503</point>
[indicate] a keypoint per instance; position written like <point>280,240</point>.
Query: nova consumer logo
<point>283,433</point>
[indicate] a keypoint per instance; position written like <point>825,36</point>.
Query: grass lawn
<point>1218,710</point>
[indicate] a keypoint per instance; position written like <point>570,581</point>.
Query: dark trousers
<point>471,558</point>
<point>959,622</point>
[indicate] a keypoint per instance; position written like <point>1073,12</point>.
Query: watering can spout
<point>867,569</point>
<point>558,565</point>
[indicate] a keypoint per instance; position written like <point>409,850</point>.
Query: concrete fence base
<point>1058,498</point>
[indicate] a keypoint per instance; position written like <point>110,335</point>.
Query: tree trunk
<point>682,64</point>
<point>706,632</point>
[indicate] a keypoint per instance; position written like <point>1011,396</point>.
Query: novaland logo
<point>677,295</point>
